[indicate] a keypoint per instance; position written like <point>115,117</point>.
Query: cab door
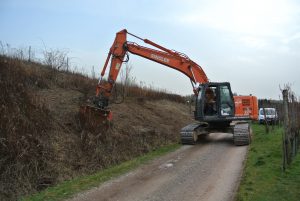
<point>226,101</point>
<point>214,102</point>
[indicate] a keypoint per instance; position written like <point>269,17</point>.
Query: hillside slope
<point>42,141</point>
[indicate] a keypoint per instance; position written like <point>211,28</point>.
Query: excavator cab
<point>214,103</point>
<point>215,113</point>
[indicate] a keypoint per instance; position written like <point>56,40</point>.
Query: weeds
<point>263,178</point>
<point>24,150</point>
<point>41,146</point>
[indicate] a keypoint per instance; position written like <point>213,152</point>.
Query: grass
<point>263,178</point>
<point>71,187</point>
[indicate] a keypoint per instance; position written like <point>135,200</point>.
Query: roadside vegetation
<point>68,188</point>
<point>264,178</point>
<point>42,141</point>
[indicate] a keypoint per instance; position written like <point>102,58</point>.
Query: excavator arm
<point>119,50</point>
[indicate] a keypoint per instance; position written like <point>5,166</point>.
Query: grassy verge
<point>69,188</point>
<point>263,178</point>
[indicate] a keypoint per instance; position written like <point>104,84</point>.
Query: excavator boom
<point>120,48</point>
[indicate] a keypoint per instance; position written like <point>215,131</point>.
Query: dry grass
<point>42,141</point>
<point>24,150</point>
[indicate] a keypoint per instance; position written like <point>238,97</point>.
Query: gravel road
<point>209,170</point>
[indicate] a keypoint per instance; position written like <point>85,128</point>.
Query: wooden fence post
<point>285,138</point>
<point>293,125</point>
<point>266,121</point>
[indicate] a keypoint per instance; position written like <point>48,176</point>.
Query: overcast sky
<point>255,44</point>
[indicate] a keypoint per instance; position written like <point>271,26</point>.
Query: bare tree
<point>2,48</point>
<point>126,79</point>
<point>56,59</point>
<point>93,72</point>
<point>290,139</point>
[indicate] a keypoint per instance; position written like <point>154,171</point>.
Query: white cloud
<point>249,17</point>
<point>291,38</point>
<point>253,42</point>
<point>245,60</point>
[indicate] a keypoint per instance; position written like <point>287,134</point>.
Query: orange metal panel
<point>246,106</point>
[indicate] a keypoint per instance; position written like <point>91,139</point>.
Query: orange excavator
<point>215,106</point>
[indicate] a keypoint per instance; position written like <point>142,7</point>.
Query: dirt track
<point>208,171</point>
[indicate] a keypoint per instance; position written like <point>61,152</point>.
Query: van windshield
<point>268,111</point>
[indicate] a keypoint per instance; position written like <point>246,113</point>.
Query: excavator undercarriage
<point>240,130</point>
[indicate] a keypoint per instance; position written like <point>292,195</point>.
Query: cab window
<point>226,101</point>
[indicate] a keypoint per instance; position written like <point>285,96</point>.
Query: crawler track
<point>240,130</point>
<point>241,134</point>
<point>189,134</point>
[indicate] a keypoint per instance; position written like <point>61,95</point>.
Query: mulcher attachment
<point>92,117</point>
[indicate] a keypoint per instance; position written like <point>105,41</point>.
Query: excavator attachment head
<point>92,118</point>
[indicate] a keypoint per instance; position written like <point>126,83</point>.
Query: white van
<point>271,115</point>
